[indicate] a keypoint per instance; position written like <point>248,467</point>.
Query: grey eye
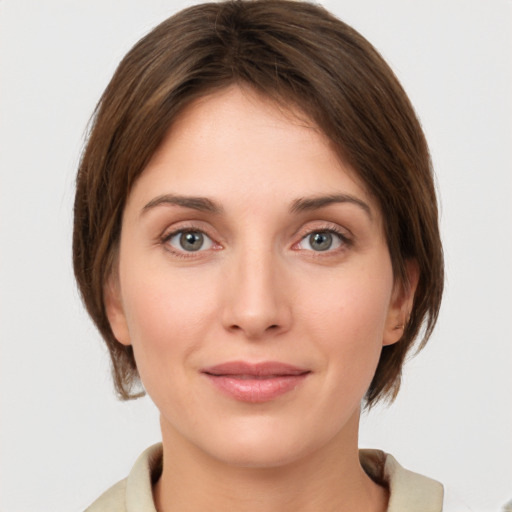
<point>190,241</point>
<point>319,241</point>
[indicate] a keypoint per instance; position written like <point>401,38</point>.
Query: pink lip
<point>255,383</point>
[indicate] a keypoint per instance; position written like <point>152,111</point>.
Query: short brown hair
<point>295,53</point>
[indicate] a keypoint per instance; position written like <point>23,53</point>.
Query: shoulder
<point>408,490</point>
<point>112,500</point>
<point>134,493</point>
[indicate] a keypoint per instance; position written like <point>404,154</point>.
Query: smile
<point>255,383</point>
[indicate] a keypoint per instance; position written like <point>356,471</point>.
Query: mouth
<point>255,383</point>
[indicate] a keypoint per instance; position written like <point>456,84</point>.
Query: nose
<point>257,300</point>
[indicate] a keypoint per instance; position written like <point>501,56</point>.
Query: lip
<point>255,382</point>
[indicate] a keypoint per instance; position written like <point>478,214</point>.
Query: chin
<point>264,443</point>
<point>264,455</point>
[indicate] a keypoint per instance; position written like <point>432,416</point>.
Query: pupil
<point>191,241</point>
<point>321,241</point>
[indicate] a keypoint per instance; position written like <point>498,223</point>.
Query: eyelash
<point>345,241</point>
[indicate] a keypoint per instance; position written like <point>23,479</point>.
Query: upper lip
<point>264,369</point>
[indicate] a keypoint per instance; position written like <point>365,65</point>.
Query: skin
<point>255,291</point>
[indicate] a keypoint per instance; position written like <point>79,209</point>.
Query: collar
<point>408,491</point>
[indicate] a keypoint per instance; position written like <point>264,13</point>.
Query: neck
<point>330,479</point>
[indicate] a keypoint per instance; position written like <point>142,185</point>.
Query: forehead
<point>235,144</point>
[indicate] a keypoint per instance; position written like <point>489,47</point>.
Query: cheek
<point>167,316</point>
<point>347,317</point>
<point>354,302</point>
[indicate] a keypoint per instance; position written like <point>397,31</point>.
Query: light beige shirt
<point>409,492</point>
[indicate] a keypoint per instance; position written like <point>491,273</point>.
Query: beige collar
<point>409,492</point>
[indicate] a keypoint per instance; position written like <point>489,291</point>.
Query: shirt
<point>408,491</point>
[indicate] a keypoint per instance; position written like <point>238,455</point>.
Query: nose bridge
<point>256,299</point>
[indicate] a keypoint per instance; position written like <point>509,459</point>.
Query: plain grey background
<point>64,437</point>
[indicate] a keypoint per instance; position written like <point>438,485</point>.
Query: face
<point>254,284</point>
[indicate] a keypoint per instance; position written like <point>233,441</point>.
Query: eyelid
<point>185,226</point>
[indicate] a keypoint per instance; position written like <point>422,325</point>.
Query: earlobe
<point>115,311</point>
<point>401,304</point>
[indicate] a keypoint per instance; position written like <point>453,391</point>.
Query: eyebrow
<point>306,204</point>
<point>202,204</point>
<point>303,204</point>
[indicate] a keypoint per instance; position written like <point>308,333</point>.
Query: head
<point>297,56</point>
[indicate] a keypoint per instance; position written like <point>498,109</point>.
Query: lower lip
<point>257,390</point>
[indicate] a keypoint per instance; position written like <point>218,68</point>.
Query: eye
<point>323,240</point>
<point>189,241</point>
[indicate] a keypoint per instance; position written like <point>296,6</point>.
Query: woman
<point>256,238</point>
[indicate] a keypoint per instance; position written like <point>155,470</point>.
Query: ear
<point>115,310</point>
<point>401,303</point>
